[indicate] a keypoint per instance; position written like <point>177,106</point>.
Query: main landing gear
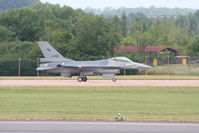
<point>82,79</point>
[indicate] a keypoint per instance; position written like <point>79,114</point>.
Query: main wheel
<point>114,79</point>
<point>84,79</point>
<point>79,79</point>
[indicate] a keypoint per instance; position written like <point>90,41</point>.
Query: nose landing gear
<point>82,79</point>
<point>114,79</point>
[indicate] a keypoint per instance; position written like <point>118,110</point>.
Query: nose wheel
<point>82,79</point>
<point>114,79</point>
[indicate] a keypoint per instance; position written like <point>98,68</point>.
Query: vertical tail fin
<point>48,51</point>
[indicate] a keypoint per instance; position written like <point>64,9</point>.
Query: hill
<point>10,4</point>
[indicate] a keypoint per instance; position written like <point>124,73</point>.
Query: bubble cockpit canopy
<point>121,59</point>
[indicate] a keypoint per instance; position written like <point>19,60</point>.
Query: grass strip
<point>100,103</point>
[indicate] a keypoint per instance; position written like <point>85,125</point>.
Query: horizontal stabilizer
<point>45,68</point>
<point>46,60</point>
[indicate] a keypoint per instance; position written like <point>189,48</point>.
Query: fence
<point>18,67</point>
<point>27,67</point>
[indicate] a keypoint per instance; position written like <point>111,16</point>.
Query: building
<point>164,54</point>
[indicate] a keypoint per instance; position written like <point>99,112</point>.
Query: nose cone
<point>142,66</point>
<point>145,66</point>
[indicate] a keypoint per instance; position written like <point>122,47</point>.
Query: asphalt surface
<point>97,127</point>
<point>99,83</point>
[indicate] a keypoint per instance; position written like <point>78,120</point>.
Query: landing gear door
<point>66,75</point>
<point>109,76</point>
<point>86,73</point>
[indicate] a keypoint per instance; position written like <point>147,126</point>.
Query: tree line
<point>152,11</point>
<point>181,32</point>
<point>85,36</point>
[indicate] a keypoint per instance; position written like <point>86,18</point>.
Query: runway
<point>99,83</point>
<point>97,127</point>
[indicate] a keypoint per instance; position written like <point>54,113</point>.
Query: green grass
<point>100,103</point>
<point>192,70</point>
<point>134,77</point>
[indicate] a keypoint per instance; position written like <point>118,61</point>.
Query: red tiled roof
<point>154,48</point>
<point>146,49</point>
<point>158,49</point>
<point>127,49</point>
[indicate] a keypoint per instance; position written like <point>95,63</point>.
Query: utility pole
<point>168,60</point>
<point>146,59</point>
<point>38,66</point>
<point>19,67</point>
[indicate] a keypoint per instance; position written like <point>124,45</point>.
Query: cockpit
<point>121,59</point>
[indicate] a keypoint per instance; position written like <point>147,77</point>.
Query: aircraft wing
<point>75,66</point>
<point>90,66</point>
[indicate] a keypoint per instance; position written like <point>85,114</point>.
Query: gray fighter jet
<point>54,62</point>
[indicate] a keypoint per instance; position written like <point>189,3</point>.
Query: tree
<point>170,35</point>
<point>197,14</point>
<point>124,24</point>
<point>193,49</point>
<point>95,38</point>
<point>6,34</point>
<point>182,21</point>
<point>117,23</point>
<point>137,26</point>
<point>138,34</point>
<point>193,25</point>
<point>26,23</point>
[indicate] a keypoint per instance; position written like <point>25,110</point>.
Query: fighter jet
<point>54,62</point>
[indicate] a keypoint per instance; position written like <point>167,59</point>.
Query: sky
<point>126,3</point>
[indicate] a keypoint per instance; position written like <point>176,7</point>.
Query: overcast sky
<point>126,3</point>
